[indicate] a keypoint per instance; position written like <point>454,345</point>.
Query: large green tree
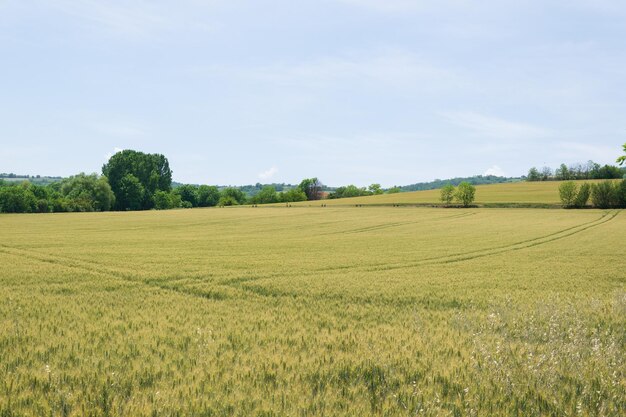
<point>208,196</point>
<point>151,171</point>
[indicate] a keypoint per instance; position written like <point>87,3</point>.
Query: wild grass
<point>313,312</point>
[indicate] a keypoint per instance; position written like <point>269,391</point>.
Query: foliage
<point>533,175</point>
<point>604,195</point>
<point>88,192</point>
<point>568,191</point>
<point>582,196</point>
<point>208,196</point>
<point>292,195</point>
<point>447,194</point>
<point>465,194</point>
<point>475,180</point>
<point>127,168</point>
<point>394,190</point>
<point>267,195</point>
<point>231,197</point>
<point>375,189</point>
<point>17,199</point>
<point>188,193</point>
<point>590,170</point>
<point>312,187</point>
<point>622,159</point>
<point>349,191</point>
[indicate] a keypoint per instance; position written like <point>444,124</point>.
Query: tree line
<point>588,171</point>
<point>134,180</point>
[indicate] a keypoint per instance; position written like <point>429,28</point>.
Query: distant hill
<point>33,179</point>
<point>476,180</point>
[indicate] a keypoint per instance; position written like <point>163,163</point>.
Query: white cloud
<point>110,154</point>
<point>495,170</point>
<point>268,174</point>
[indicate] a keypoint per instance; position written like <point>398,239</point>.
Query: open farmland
<point>314,312</point>
<point>540,194</point>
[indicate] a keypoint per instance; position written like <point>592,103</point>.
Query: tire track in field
<point>122,274</point>
<point>395,224</point>
<point>400,265</point>
<point>481,253</point>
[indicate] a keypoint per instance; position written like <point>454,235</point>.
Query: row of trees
<point>354,191</point>
<point>464,194</point>
<point>606,194</point>
<point>588,171</point>
<point>78,193</point>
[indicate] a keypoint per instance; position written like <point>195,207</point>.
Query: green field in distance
<point>333,311</point>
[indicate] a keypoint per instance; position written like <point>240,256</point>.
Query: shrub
<point>603,195</point>
<point>568,192</point>
<point>447,194</point>
<point>620,192</point>
<point>583,196</point>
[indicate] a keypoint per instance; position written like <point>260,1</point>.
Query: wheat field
<point>523,193</point>
<point>332,311</point>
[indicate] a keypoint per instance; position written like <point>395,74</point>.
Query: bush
<point>465,193</point>
<point>447,194</point>
<point>568,192</point>
<point>620,191</point>
<point>604,195</point>
<point>583,196</point>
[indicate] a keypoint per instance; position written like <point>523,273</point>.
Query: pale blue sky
<point>351,91</point>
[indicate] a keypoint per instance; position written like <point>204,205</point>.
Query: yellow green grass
<point>522,193</point>
<point>313,312</point>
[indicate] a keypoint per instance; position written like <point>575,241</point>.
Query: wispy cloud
<point>127,18</point>
<point>495,128</point>
<point>387,67</point>
<point>268,174</point>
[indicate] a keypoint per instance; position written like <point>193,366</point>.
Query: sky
<point>236,92</point>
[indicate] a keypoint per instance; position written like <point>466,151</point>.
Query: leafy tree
<point>130,194</point>
<point>312,187</point>
<point>567,193</point>
<point>375,189</point>
<point>348,191</point>
<point>208,196</point>
<point>394,190</point>
<point>604,195</point>
<point>562,173</point>
<point>622,159</point>
<point>295,194</point>
<point>231,196</point>
<point>465,193</point>
<point>447,194</point>
<point>582,197</point>
<point>162,200</point>
<point>188,193</point>
<point>608,172</point>
<point>152,171</point>
<point>546,173</point>
<point>267,195</point>
<point>533,175</point>
<point>17,199</point>
<point>88,192</point>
